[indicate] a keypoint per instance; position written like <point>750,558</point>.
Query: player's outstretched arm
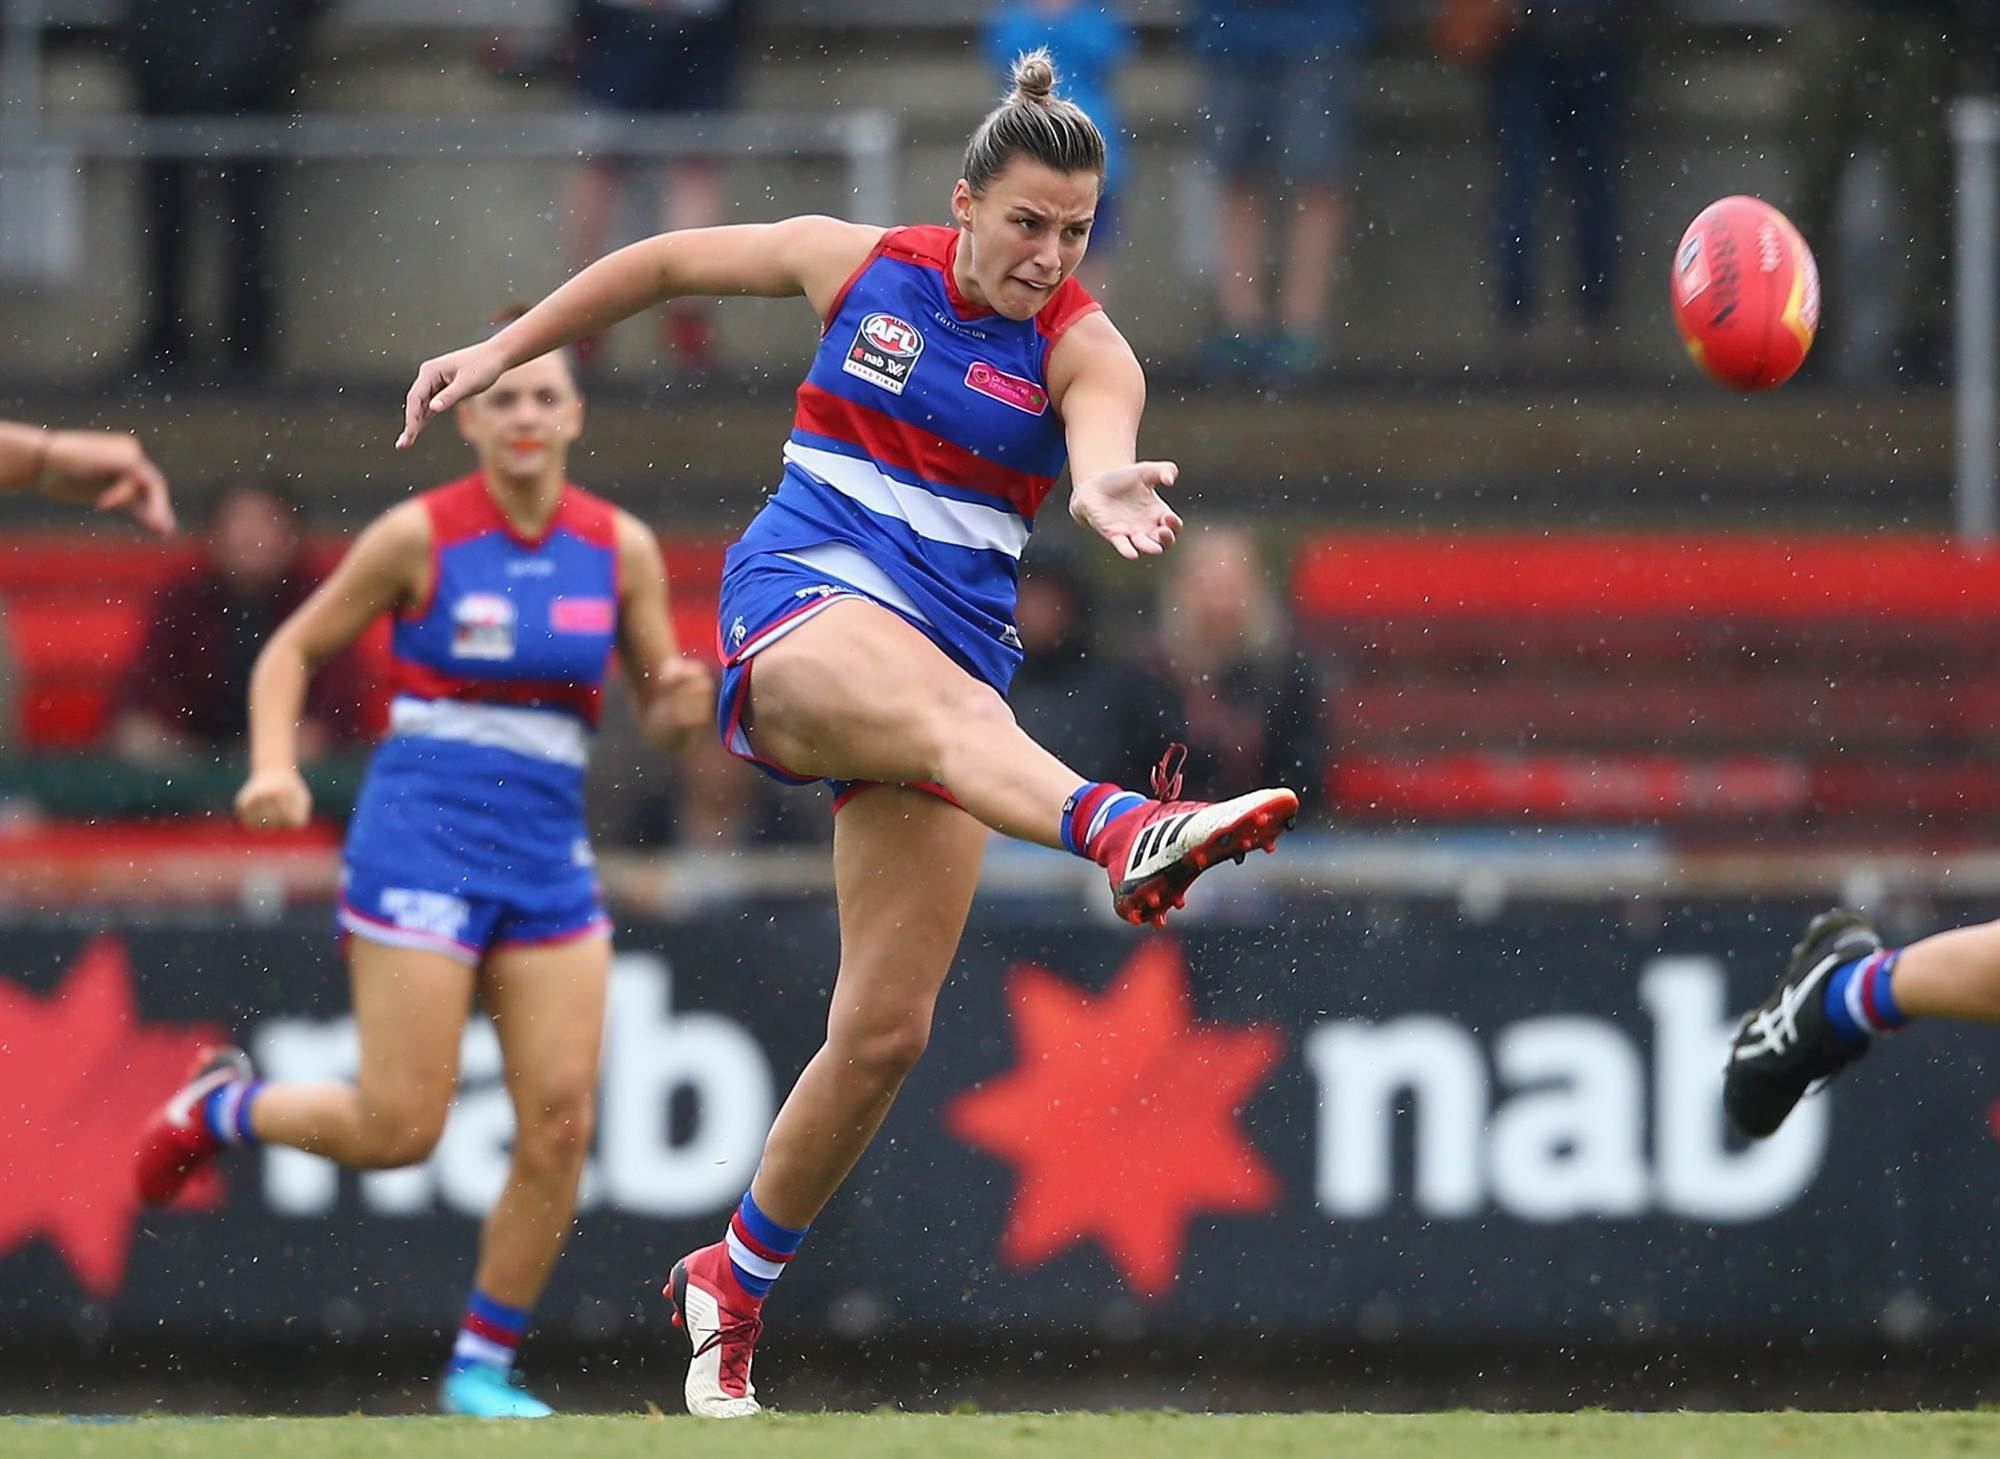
<point>107,469</point>
<point>810,255</point>
<point>1097,385</point>
<point>674,695</point>
<point>388,567</point>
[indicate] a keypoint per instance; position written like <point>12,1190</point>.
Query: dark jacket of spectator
<point>188,688</point>
<point>1251,706</point>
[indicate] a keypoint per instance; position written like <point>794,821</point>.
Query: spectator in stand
<point>1281,78</point>
<point>1251,706</point>
<point>1086,705</point>
<point>1884,68</point>
<point>649,58</point>
<point>184,697</point>
<point>233,59</point>
<point>1089,43</point>
<point>1560,78</point>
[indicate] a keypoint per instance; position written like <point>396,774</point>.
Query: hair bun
<point>1035,75</point>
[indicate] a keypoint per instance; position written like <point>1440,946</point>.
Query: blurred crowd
<point>1278,83</point>
<point>1106,684</point>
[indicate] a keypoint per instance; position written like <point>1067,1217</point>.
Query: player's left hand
<point>1123,506</point>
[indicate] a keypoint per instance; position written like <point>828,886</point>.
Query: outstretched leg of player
<point>410,1008</point>
<point>856,693</point>
<point>1841,988</point>
<point>547,1005</point>
<point>905,866</point>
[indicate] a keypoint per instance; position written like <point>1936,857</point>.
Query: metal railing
<point>41,164</point>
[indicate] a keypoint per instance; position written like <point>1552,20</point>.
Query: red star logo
<point>78,1076</point>
<point>1120,1118</point>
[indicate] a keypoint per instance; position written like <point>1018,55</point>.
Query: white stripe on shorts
<point>838,560</point>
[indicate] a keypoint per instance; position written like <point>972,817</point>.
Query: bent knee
<point>556,1130</point>
<point>388,1146</point>
<point>887,1050</point>
<point>954,718</point>
<point>400,1130</point>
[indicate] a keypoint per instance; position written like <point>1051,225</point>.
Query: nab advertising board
<point>1358,1119</point>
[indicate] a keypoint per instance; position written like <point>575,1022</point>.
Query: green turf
<point>1595,1435</point>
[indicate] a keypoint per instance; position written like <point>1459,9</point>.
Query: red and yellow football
<point>1746,294</point>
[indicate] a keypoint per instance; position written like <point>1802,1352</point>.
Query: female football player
<point>467,864</point>
<point>958,368</point>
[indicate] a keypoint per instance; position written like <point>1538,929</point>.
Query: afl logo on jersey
<point>884,351</point>
<point>482,627</point>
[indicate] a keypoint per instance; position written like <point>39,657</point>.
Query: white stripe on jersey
<point>933,517</point>
<point>542,734</point>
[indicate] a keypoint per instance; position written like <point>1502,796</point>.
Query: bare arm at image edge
<point>104,469</point>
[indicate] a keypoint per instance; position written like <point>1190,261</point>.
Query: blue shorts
<point>381,905</point>
<point>763,598</point>
<point>460,849</point>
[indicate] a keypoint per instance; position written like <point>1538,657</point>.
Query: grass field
<point>1597,1435</point>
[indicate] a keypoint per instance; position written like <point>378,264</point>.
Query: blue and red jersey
<point>478,788</point>
<point>924,443</point>
<point>511,647</point>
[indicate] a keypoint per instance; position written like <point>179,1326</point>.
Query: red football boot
<point>1155,853</point>
<point>722,1323</point>
<point>176,1141</point>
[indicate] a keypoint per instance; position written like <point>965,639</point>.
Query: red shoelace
<point>736,1338</point>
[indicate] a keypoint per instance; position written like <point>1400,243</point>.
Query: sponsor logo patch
<point>482,627</point>
<point>1007,389</point>
<point>432,913</point>
<point>582,615</point>
<point>884,351</point>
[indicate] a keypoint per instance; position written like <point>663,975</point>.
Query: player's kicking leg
<point>857,694</point>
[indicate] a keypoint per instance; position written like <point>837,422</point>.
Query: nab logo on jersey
<point>884,351</point>
<point>482,627</point>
